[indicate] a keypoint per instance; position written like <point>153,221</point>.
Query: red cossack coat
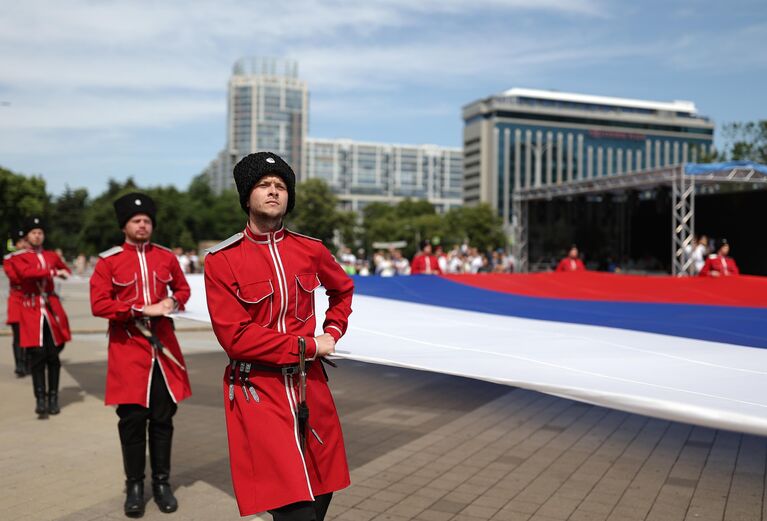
<point>15,296</point>
<point>127,278</point>
<point>260,292</point>
<point>35,270</point>
<point>568,264</point>
<point>722,266</point>
<point>423,263</point>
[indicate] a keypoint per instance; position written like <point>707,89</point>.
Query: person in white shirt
<point>699,253</point>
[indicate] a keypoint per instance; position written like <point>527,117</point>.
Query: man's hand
<point>326,345</point>
<point>160,309</point>
<point>62,274</point>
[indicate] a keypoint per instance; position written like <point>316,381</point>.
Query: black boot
<point>134,457</point>
<point>38,381</point>
<point>134,498</point>
<point>53,402</point>
<point>159,454</point>
<point>53,388</point>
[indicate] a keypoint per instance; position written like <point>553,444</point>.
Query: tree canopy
<point>80,223</point>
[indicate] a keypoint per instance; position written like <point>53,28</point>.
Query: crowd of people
<point>430,259</point>
<point>466,259</point>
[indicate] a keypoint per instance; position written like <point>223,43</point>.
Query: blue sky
<point>116,89</point>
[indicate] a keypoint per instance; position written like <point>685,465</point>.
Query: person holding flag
<point>286,448</point>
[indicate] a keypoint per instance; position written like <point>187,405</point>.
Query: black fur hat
<point>253,167</point>
<point>32,223</point>
<point>131,204</point>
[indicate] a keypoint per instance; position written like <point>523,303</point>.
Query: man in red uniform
<point>572,262</point>
<point>720,264</point>
<point>43,324</point>
<point>146,373</point>
<point>15,300</point>
<point>260,287</point>
<point>424,263</point>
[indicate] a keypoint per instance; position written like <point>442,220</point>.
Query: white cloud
<point>84,64</point>
<point>78,111</point>
<point>110,64</point>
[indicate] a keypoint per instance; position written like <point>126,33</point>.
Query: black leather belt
<point>240,370</point>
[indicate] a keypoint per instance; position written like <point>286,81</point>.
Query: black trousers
<point>45,356</point>
<point>305,510</point>
<point>18,353</point>
<point>132,426</point>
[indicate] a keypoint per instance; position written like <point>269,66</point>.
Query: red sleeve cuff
<point>311,347</point>
<point>137,311</point>
<point>335,332</point>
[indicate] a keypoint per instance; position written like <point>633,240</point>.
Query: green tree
<point>480,225</point>
<point>67,215</point>
<point>410,220</point>
<point>315,213</point>
<point>174,218</point>
<point>213,217</point>
<point>99,229</point>
<point>20,197</point>
<point>746,140</point>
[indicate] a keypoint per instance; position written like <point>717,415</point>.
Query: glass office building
<point>361,172</point>
<point>525,137</point>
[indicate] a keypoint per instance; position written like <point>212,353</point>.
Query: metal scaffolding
<point>520,232</point>
<point>682,178</point>
<point>682,222</point>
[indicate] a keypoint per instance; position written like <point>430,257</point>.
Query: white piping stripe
<point>291,404</point>
<point>42,318</point>
<point>144,276</point>
<point>282,293</point>
<point>285,282</point>
<point>336,328</point>
<point>149,383</point>
<point>165,378</point>
<point>147,302</point>
<point>43,310</point>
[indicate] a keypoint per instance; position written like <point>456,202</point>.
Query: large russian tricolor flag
<point>687,349</point>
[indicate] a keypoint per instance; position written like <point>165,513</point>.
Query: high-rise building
<point>525,137</point>
<point>268,108</point>
<point>360,172</point>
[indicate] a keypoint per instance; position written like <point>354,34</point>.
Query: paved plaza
<point>421,446</point>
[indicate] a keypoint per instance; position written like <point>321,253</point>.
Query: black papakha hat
<point>253,167</point>
<point>33,223</point>
<point>134,203</point>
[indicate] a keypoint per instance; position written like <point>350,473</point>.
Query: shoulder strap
<point>111,251</point>
<point>304,236</point>
<point>162,247</point>
<point>228,242</point>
